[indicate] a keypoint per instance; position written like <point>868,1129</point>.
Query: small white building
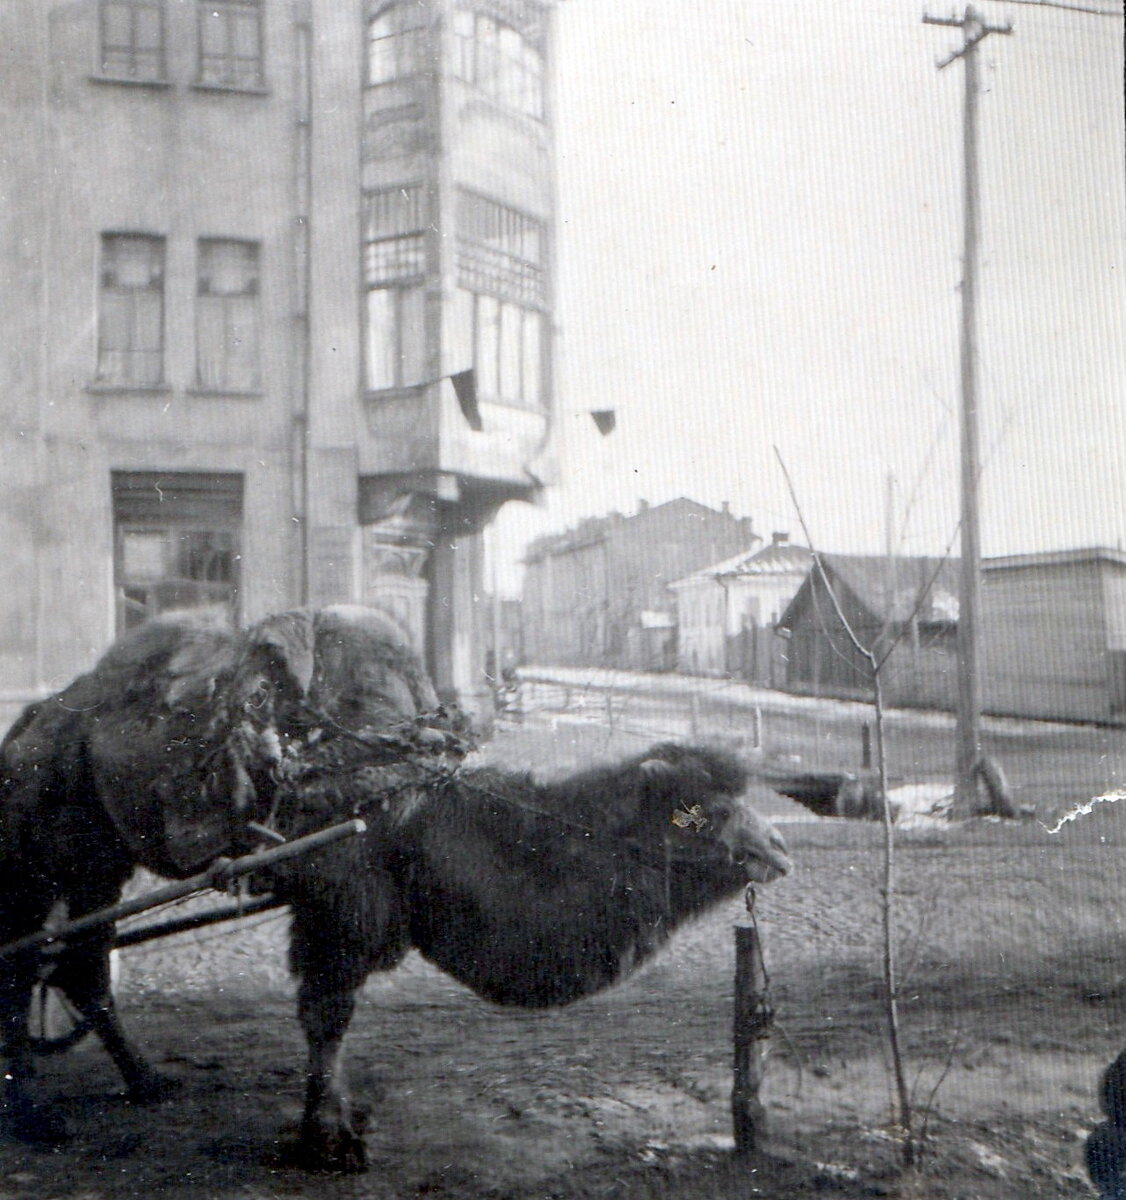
<point>726,613</point>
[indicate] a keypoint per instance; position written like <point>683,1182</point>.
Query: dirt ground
<point>1012,945</point>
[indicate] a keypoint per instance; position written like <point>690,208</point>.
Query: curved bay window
<point>395,299</point>
<point>501,298</point>
<point>501,58</point>
<point>396,42</point>
<point>507,342</point>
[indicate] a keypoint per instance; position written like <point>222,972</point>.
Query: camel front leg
<point>332,1126</point>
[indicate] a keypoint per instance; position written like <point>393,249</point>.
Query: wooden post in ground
<point>753,1018</point>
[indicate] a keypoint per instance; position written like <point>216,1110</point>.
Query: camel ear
<point>287,641</point>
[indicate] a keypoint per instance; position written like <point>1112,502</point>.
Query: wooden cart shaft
<point>218,875</point>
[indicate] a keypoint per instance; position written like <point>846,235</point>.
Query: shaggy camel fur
<point>530,894</point>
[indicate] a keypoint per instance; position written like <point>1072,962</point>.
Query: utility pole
<point>968,749</point>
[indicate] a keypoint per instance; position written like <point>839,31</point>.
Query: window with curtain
<point>131,39</point>
<point>131,311</point>
<point>500,60</point>
<point>230,43</point>
<point>396,42</point>
<point>227,316</point>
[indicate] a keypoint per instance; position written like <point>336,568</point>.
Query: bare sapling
<point>875,662</point>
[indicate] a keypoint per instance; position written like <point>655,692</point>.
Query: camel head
<point>699,792</point>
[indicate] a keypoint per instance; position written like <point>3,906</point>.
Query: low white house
<point>726,613</point>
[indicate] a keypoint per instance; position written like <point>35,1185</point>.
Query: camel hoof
<point>35,1126</point>
<point>1106,1161</point>
<point>152,1089</point>
<point>322,1146</point>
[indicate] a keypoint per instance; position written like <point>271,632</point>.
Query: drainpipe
<point>303,189</point>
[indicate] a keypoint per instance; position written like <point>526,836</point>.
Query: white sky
<point>759,245</point>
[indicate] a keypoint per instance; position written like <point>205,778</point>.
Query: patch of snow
<point>916,805</point>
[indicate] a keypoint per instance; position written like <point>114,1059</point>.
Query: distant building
<point>251,253</point>
<point>1052,633</point>
<point>726,612</point>
<point>598,594</point>
<point>904,608</point>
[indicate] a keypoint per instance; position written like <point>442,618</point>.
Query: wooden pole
<point>968,733</point>
<point>969,604</point>
<point>752,1021</point>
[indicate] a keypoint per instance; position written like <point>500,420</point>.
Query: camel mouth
<point>764,864</point>
<point>758,870</point>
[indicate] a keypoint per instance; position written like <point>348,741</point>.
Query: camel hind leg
<point>82,974</point>
<point>23,910</point>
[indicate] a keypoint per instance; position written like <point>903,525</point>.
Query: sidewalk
<point>734,694</point>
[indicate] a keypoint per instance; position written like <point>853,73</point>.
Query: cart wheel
<point>54,1024</point>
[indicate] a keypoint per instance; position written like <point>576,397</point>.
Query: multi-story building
<point>278,285</point>
<point>598,594</point>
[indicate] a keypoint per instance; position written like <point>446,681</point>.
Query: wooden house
<point>903,608</point>
<point>1052,635</point>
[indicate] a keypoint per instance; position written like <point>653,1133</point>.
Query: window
<point>507,348</point>
<point>394,265</point>
<point>132,39</point>
<point>227,317</point>
<point>230,43</point>
<point>396,343</point>
<point>501,60</point>
<point>500,250</point>
<point>131,311</point>
<point>394,224</point>
<point>503,290</point>
<point>396,43</point>
<point>176,543</point>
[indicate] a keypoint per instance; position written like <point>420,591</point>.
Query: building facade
<point>1052,633</point>
<point>726,613</point>
<point>278,280</point>
<point>598,595</point>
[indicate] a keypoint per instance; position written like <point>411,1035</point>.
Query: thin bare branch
<point>860,647</point>
<point>890,968</point>
<point>1077,8</point>
<point>920,600</point>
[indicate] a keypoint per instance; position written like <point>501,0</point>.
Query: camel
<point>186,738</point>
